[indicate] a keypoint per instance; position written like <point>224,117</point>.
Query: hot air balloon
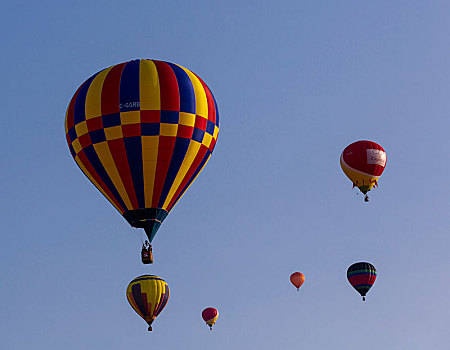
<point>210,316</point>
<point>297,279</point>
<point>363,162</point>
<point>148,295</point>
<point>362,276</point>
<point>141,131</point>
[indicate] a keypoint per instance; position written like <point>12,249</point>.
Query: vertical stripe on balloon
<point>92,178</point>
<point>170,96</point>
<point>213,113</point>
<point>70,120</point>
<point>201,102</point>
<point>133,147</point>
<point>140,299</point>
<point>118,151</point>
<point>130,87</point>
<point>212,107</point>
<point>104,154</point>
<point>165,150</point>
<point>133,303</point>
<point>149,86</point>
<point>164,299</point>
<point>150,146</point>
<point>186,90</point>
<point>79,111</point>
<point>157,293</point>
<point>179,151</point>
<point>200,160</point>
<point>94,95</point>
<point>189,159</point>
<point>110,92</point>
<point>100,177</point>
<point>216,111</point>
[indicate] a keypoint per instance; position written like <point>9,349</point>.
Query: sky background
<point>295,83</point>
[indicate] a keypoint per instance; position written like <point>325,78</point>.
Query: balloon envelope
<point>363,162</point>
<point>297,279</point>
<point>362,276</point>
<point>210,316</point>
<point>148,295</point>
<point>141,131</point>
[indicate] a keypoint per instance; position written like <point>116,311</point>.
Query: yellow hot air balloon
<point>148,295</point>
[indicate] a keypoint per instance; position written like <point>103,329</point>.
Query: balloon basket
<point>147,255</point>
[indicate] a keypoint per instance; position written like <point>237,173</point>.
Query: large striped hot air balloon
<point>363,162</point>
<point>362,276</point>
<point>148,295</point>
<point>141,131</point>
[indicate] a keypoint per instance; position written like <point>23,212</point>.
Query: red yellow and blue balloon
<point>210,316</point>
<point>142,131</point>
<point>148,295</point>
<point>363,162</point>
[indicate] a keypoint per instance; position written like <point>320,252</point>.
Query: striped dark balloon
<point>362,276</point>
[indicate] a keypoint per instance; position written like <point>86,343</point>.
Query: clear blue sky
<point>295,82</point>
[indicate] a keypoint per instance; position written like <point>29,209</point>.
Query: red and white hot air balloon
<point>363,162</point>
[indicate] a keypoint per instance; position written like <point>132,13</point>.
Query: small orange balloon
<point>297,279</point>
